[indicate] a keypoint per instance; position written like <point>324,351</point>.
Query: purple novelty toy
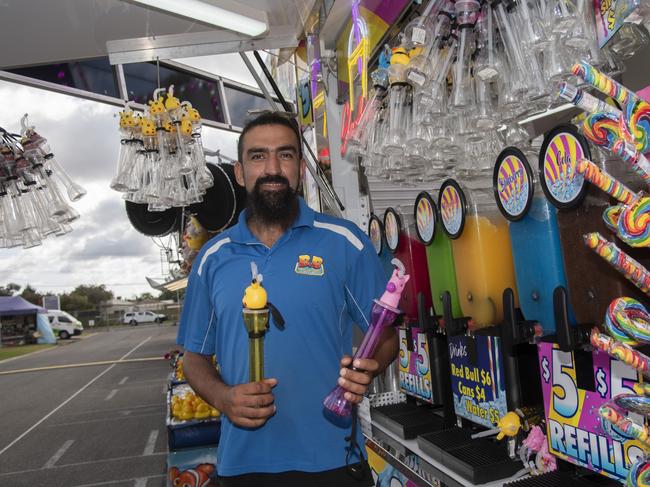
<point>383,314</point>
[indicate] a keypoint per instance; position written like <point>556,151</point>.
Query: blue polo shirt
<point>322,274</point>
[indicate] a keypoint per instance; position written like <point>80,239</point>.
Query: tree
<point>75,302</point>
<point>173,295</point>
<point>9,289</point>
<point>32,295</point>
<point>145,297</point>
<point>96,295</point>
<point>85,297</point>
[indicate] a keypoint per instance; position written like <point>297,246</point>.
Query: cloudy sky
<point>103,247</point>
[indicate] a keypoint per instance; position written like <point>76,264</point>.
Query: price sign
<point>477,378</point>
<point>414,367</point>
<point>574,429</point>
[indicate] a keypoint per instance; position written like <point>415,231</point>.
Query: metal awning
<point>43,32</point>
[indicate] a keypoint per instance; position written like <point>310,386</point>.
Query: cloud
<point>103,247</point>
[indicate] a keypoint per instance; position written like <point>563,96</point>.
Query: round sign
<point>425,217</point>
<point>512,181</point>
<point>392,228</point>
<point>452,204</point>
<point>563,147</point>
<point>375,232</point>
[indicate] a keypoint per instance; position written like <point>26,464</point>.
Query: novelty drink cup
<point>257,323</point>
<point>383,314</point>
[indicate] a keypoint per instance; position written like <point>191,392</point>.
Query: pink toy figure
<point>383,314</point>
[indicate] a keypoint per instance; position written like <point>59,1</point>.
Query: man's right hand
<point>250,405</point>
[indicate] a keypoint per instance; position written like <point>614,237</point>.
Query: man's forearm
<point>204,378</point>
<point>387,348</point>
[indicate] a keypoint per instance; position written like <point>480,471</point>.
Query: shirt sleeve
<point>366,282</point>
<point>197,329</point>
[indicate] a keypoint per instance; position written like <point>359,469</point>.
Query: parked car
<point>63,324</point>
<point>136,317</point>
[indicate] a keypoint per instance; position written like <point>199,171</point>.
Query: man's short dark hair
<point>270,118</point>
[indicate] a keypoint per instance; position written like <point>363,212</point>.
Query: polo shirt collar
<point>241,233</point>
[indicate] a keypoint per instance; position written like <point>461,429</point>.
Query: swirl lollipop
<point>633,226</point>
<point>611,216</point>
<point>602,129</point>
<point>637,124</point>
<point>628,321</point>
<point>639,474</point>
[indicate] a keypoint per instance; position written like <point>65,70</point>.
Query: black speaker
<point>223,202</point>
<point>153,223</point>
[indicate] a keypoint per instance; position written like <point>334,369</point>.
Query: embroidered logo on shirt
<point>310,266</point>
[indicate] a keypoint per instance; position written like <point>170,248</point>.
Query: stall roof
<point>43,32</point>
<point>15,305</point>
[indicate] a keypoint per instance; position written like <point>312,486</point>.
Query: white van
<point>63,324</point>
<point>136,317</point>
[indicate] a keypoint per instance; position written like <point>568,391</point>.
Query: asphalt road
<point>92,425</point>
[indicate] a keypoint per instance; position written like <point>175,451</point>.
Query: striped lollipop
<point>608,183</point>
<point>626,265</point>
<point>604,83</point>
<point>629,154</point>
<point>620,351</point>
<point>623,423</point>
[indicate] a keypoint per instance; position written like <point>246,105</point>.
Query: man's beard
<point>273,207</point>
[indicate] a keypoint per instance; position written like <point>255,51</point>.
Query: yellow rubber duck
<point>255,296</point>
<point>400,56</point>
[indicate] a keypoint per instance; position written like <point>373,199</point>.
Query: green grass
<point>15,351</point>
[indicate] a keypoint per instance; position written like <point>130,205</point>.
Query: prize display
<point>193,430</point>
<point>32,184</point>
<point>161,161</point>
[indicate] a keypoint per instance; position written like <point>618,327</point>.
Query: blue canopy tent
<point>15,307</point>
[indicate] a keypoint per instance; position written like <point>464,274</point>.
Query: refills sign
<point>414,366</point>
<point>574,429</point>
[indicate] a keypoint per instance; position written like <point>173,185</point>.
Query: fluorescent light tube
<point>236,17</point>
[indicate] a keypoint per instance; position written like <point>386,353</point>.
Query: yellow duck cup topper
<point>509,425</point>
<point>255,295</point>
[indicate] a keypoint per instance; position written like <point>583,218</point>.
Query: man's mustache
<point>271,180</point>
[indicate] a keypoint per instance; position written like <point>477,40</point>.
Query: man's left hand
<point>356,382</point>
